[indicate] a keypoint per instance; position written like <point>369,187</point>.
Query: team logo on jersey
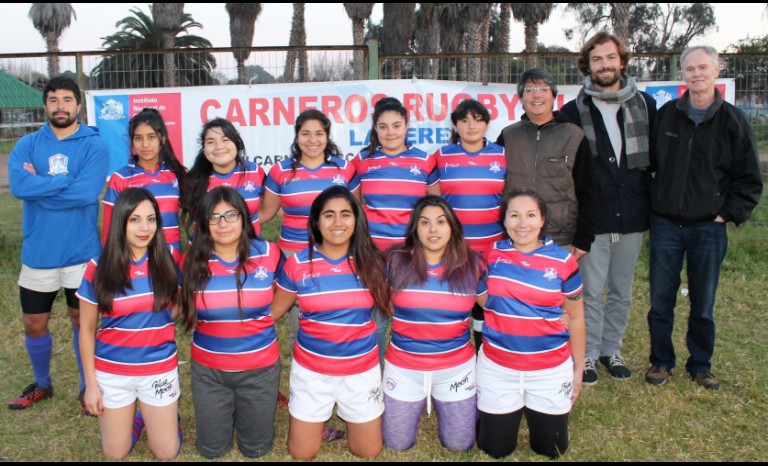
<point>111,110</point>
<point>495,167</point>
<point>503,261</point>
<point>249,187</point>
<point>550,273</point>
<point>415,170</point>
<point>261,273</point>
<point>336,269</point>
<point>432,273</point>
<point>391,384</point>
<point>338,180</point>
<point>138,273</point>
<point>471,163</point>
<point>176,183</point>
<point>57,164</point>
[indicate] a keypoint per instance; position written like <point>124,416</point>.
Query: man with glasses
<point>549,154</point>
<point>58,172</point>
<point>616,118</point>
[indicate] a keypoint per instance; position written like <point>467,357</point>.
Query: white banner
<point>265,113</point>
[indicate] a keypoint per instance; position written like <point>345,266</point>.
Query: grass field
<point>612,421</point>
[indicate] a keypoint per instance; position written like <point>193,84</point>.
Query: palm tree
<point>478,21</point>
<point>398,25</point>
<point>168,17</point>
<point>359,14</point>
<point>134,70</point>
<point>298,39</point>
<point>531,15</point>
<point>427,34</point>
<point>50,19</point>
<point>451,17</point>
<point>505,15</point>
<point>242,25</point>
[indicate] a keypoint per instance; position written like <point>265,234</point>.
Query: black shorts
<point>38,302</point>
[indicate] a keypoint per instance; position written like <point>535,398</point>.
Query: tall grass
<point>612,421</point>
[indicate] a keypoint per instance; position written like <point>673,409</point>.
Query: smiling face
<point>699,73</point>
<point>224,234</point>
<point>146,145</point>
<point>523,222</point>
<point>220,150</point>
<point>471,130</point>
<point>434,233</point>
<point>605,66</point>
<point>336,225</point>
<point>391,129</point>
<point>61,108</point>
<point>538,104</point>
<point>312,141</point>
<point>141,228</point>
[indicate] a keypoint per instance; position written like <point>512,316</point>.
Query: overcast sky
<point>327,24</point>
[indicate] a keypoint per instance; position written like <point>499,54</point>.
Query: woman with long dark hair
<point>530,363</point>
<point>435,279</point>
<point>133,287</point>
<point>221,162</point>
<point>228,276</point>
<point>153,165</point>
<point>337,281</point>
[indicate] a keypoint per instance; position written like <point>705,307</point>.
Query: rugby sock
<point>39,351</point>
<point>76,346</point>
<point>456,422</point>
<point>138,425</point>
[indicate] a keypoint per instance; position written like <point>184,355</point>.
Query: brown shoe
<point>657,375</point>
<point>705,379</point>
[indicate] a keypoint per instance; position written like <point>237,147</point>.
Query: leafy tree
<point>51,19</point>
<point>655,27</point>
<point>298,39</point>
<point>255,74</point>
<point>136,70</point>
<point>242,25</point>
<point>531,15</point>
<point>168,18</point>
<point>750,67</point>
<point>359,13</point>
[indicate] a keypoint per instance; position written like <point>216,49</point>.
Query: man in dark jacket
<point>707,174</point>
<point>546,152</point>
<point>617,119</point>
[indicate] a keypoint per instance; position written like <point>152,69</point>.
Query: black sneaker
<point>616,366</point>
<point>30,396</point>
<point>657,375</point>
<point>590,372</point>
<point>705,379</point>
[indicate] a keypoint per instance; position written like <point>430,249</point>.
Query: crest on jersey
<point>339,180</point>
<point>550,273</point>
<point>249,187</point>
<point>495,167</point>
<point>415,170</point>
<point>57,164</point>
<point>176,183</point>
<point>261,273</point>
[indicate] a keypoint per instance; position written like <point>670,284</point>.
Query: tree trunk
<point>531,36</point>
<point>505,16</point>
<point>621,19</point>
<point>52,45</point>
<point>169,40</point>
<point>241,72</point>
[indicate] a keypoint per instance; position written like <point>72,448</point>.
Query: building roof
<point>15,93</point>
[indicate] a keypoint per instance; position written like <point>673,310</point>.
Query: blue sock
<point>39,351</point>
<point>181,437</point>
<point>76,346</point>
<point>138,425</point>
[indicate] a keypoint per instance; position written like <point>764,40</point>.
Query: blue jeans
<point>703,246</point>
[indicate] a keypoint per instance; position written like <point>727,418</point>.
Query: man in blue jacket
<point>58,172</point>
<point>706,174</point>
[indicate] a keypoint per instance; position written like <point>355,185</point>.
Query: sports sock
<point>39,351</point>
<point>76,346</point>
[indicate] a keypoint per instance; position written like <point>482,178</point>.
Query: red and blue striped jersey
<point>250,185</point>
<point>133,340</point>
<point>162,183</point>
<point>391,185</point>
<point>298,189</point>
<point>473,184</point>
<point>227,338</point>
<point>430,327</point>
<point>336,334</point>
<point>522,328</point>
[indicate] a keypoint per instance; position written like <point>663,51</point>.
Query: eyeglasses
<point>536,90</point>
<point>230,216</point>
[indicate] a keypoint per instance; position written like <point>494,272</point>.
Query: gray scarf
<point>636,127</point>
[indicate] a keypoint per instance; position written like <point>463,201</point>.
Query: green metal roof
<point>15,93</point>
